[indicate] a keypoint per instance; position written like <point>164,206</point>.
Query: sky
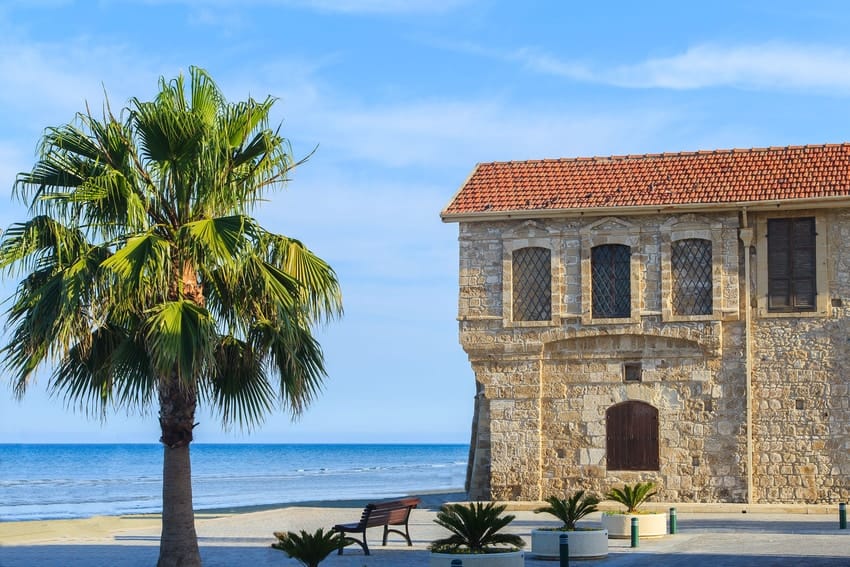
<point>400,99</point>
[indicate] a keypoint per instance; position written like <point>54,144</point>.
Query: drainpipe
<point>746,236</point>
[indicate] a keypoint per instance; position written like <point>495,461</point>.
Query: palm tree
<point>146,281</point>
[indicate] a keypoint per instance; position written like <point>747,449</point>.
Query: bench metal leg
<point>405,534</point>
<point>362,544</point>
<point>343,542</point>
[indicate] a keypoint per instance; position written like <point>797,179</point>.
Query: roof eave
<point>771,205</point>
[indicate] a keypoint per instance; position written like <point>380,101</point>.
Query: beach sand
<point>243,537</point>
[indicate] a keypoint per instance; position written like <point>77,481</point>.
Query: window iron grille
<point>532,284</point>
<point>611,280</point>
<point>692,282</point>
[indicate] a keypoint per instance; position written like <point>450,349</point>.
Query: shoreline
<point>430,499</point>
<point>18,532</point>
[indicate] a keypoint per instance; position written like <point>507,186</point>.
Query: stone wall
<point>545,386</point>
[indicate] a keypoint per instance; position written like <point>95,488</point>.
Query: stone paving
<point>711,539</point>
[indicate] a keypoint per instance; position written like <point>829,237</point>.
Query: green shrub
<point>309,549</point>
<point>632,497</point>
<point>570,510</point>
<point>475,529</point>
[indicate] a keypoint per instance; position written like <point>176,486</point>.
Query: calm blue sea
<point>75,481</point>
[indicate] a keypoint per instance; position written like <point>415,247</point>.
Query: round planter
<point>584,544</point>
<point>619,526</point>
<point>506,559</point>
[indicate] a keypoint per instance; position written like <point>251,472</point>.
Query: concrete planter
<point>506,559</point>
<point>584,544</point>
<point>619,526</point>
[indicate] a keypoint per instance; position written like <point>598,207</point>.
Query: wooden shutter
<point>791,264</point>
<point>803,282</point>
<point>632,437</point>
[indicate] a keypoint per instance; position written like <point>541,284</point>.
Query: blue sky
<point>402,98</point>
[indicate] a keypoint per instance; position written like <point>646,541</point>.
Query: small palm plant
<point>570,510</point>
<point>632,497</point>
<point>475,528</point>
<point>309,549</point>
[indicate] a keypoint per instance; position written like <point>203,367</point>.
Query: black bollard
<point>635,534</point>
<point>673,526</point>
<point>842,516</point>
<point>564,550</point>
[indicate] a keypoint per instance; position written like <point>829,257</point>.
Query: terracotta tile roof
<point>704,177</point>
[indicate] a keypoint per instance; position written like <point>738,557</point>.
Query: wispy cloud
<point>774,66</point>
<point>764,66</point>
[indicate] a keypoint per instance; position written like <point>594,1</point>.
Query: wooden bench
<point>391,513</point>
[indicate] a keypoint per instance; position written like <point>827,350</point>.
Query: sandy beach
<point>714,536</point>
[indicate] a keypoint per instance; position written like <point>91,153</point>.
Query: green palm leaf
<point>178,335</point>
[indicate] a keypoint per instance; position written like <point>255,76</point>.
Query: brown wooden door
<point>632,436</point>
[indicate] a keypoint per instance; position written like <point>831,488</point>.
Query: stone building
<point>671,317</point>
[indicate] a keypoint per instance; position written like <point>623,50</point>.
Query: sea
<point>42,481</point>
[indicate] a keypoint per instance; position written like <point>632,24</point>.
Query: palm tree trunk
<point>178,546</point>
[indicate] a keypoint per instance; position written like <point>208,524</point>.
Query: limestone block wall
<point>544,387</point>
<point>583,378</point>
<point>801,409</point>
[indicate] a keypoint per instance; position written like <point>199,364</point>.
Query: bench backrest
<point>394,513</point>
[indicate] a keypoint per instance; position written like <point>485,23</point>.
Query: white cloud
<point>54,81</point>
<point>767,66</point>
<point>450,133</point>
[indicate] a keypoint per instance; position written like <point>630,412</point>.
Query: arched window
<point>611,268</point>
<point>690,261</point>
<point>532,284</point>
<point>632,437</point>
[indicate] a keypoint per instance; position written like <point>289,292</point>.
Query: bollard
<point>673,525</point>
<point>457,563</point>
<point>565,550</point>
<point>842,516</point>
<point>635,534</point>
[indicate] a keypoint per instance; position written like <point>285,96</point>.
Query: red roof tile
<point>651,180</point>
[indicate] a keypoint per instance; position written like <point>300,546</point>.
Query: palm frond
<point>217,240</point>
<point>180,335</point>
<point>319,287</point>
<point>296,357</point>
<point>142,262</point>
<point>238,385</point>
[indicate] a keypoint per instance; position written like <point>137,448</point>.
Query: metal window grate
<point>532,284</point>
<point>692,285</point>
<point>611,277</point>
